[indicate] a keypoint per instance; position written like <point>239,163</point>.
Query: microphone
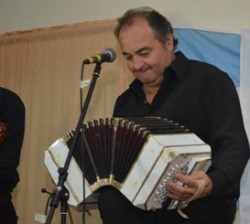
<point>108,55</point>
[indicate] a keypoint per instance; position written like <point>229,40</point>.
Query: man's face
<point>146,56</point>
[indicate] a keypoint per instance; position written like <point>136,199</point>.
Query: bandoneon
<point>138,156</point>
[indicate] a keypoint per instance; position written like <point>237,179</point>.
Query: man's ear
<point>170,42</point>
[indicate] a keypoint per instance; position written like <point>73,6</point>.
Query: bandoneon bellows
<point>138,156</point>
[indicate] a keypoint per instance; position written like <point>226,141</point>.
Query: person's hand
<point>3,130</point>
<point>192,184</point>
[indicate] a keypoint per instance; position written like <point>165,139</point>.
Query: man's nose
<point>137,63</point>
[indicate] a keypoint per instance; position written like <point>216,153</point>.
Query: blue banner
<point>217,48</point>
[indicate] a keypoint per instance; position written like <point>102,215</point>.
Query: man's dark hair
<point>159,24</point>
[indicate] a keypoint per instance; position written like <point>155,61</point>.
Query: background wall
<point>218,15</point>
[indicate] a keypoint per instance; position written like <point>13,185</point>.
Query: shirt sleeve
<point>229,143</point>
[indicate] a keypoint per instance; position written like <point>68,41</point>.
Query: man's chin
<point>145,78</point>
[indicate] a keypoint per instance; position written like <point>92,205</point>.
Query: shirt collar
<point>178,66</point>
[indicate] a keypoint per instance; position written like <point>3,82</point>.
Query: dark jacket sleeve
<point>12,114</point>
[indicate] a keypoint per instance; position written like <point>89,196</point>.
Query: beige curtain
<point>43,67</point>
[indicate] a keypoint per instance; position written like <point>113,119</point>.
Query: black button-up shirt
<point>204,99</point>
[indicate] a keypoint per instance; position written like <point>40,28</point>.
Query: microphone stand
<point>59,195</point>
